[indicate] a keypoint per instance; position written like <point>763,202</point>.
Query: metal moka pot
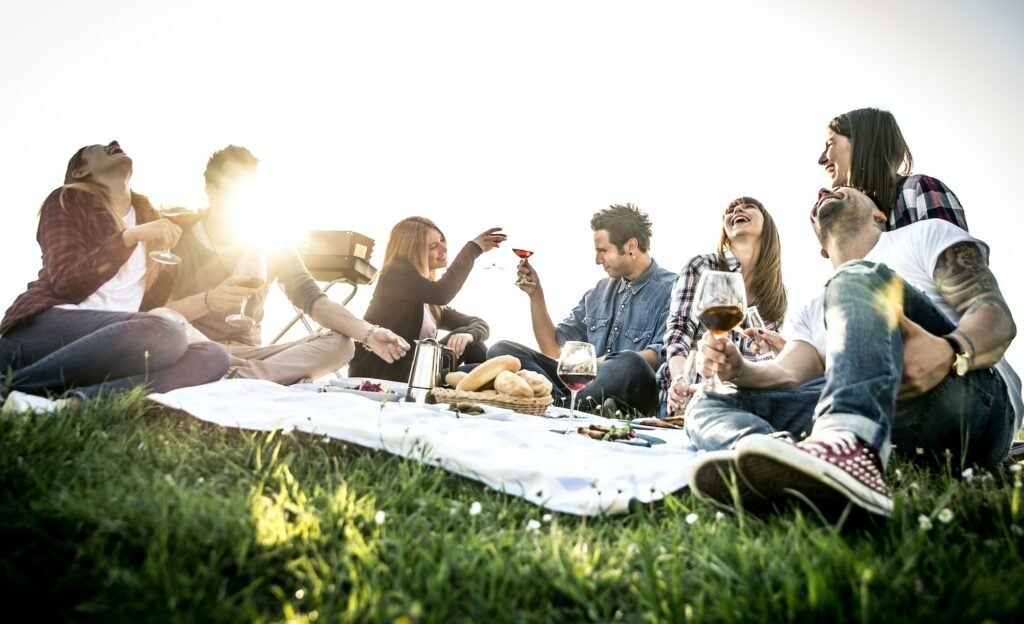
<point>427,362</point>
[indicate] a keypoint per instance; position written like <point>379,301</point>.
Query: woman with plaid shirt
<point>749,241</point>
<point>865,149</point>
<point>79,326</point>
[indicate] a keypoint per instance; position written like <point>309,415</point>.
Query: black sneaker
<point>830,475</point>
<point>714,477</point>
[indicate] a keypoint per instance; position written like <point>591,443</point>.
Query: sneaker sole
<point>715,476</point>
<point>776,468</point>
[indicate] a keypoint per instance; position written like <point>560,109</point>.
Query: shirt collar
<point>635,286</point>
<point>731,262</point>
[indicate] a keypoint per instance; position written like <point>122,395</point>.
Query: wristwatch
<point>962,361</point>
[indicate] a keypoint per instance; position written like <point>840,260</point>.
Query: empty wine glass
<point>252,269</point>
<point>180,216</point>
<point>689,379</point>
<point>755,321</point>
<point>721,300</point>
<point>577,367</point>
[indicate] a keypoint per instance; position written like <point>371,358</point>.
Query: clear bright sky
<point>527,115</point>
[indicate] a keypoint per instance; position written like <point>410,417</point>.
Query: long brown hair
<point>764,278</point>
<point>140,202</point>
<point>408,242</point>
<point>879,153</point>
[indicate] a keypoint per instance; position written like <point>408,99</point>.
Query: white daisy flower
<point>546,518</point>
<point>380,517</point>
<point>1015,468</point>
<point>924,522</point>
<point>691,518</point>
<point>532,525</point>
<point>967,474</point>
<point>945,516</point>
<point>475,508</point>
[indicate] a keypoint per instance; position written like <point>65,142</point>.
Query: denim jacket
<point>619,315</point>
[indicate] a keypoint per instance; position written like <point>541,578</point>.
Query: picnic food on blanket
<point>466,408</point>
<point>671,422</point>
<point>512,385</point>
<point>453,378</point>
<point>608,433</point>
<point>538,383</point>
<point>369,386</point>
<point>486,372</point>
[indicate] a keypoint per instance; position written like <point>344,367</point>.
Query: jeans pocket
<point>10,355</point>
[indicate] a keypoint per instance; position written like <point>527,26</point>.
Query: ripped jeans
<point>970,416</point>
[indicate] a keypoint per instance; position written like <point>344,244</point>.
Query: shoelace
<point>837,442</point>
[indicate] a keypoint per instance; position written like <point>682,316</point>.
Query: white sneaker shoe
<point>19,403</point>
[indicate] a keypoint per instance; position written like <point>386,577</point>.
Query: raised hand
<point>490,239</point>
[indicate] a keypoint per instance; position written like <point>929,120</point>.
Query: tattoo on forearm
<point>964,279</point>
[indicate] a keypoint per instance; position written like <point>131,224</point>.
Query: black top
<point>397,304</point>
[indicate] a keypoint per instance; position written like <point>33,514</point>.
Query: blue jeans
<point>92,351</point>
<point>623,375</point>
<point>970,416</point>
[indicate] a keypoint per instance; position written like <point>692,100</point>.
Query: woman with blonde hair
<point>78,326</point>
<point>413,302</point>
<point>748,243</point>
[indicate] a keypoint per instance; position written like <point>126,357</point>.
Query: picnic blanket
<point>526,456</point>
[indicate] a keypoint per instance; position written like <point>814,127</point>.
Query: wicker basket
<point>536,405</point>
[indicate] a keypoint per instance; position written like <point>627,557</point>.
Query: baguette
<point>487,372</point>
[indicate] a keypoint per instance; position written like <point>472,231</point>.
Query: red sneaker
<point>829,474</point>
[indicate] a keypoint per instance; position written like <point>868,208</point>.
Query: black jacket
<point>397,304</point>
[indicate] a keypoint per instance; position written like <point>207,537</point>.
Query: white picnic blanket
<point>522,455</point>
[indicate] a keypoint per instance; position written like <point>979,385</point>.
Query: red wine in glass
<point>577,381</point>
<point>522,253</point>
<point>720,319</point>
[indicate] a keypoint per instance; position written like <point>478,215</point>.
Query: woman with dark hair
<point>749,242</point>
<point>413,302</point>
<point>78,326</point>
<point>865,149</point>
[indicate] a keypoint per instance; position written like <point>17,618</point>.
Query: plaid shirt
<point>82,249</point>
<point>682,332</point>
<point>920,198</point>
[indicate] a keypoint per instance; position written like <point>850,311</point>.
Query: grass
<point>122,512</point>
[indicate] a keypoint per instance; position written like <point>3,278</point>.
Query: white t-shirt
<point>124,291</point>
<point>912,251</point>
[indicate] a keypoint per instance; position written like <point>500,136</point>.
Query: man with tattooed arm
<point>901,352</point>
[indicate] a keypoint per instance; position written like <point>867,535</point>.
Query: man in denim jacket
<point>623,316</point>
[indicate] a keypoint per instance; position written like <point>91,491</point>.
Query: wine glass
<point>252,267</point>
<point>577,367</point>
<point>180,216</point>
<point>721,300</point>
<point>523,255</point>
<point>755,321</point>
<point>689,379</point>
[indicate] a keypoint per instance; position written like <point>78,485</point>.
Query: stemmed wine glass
<point>577,367</point>
<point>755,321</point>
<point>180,216</point>
<point>689,379</point>
<point>721,300</point>
<point>252,268</point>
<point>523,255</point>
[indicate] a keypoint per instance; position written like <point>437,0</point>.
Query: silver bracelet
<point>366,336</point>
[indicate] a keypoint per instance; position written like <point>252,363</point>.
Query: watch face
<point>961,364</point>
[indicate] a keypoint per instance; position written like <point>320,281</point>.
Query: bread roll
<point>486,372</point>
<point>513,385</point>
<point>538,383</point>
<point>453,378</point>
